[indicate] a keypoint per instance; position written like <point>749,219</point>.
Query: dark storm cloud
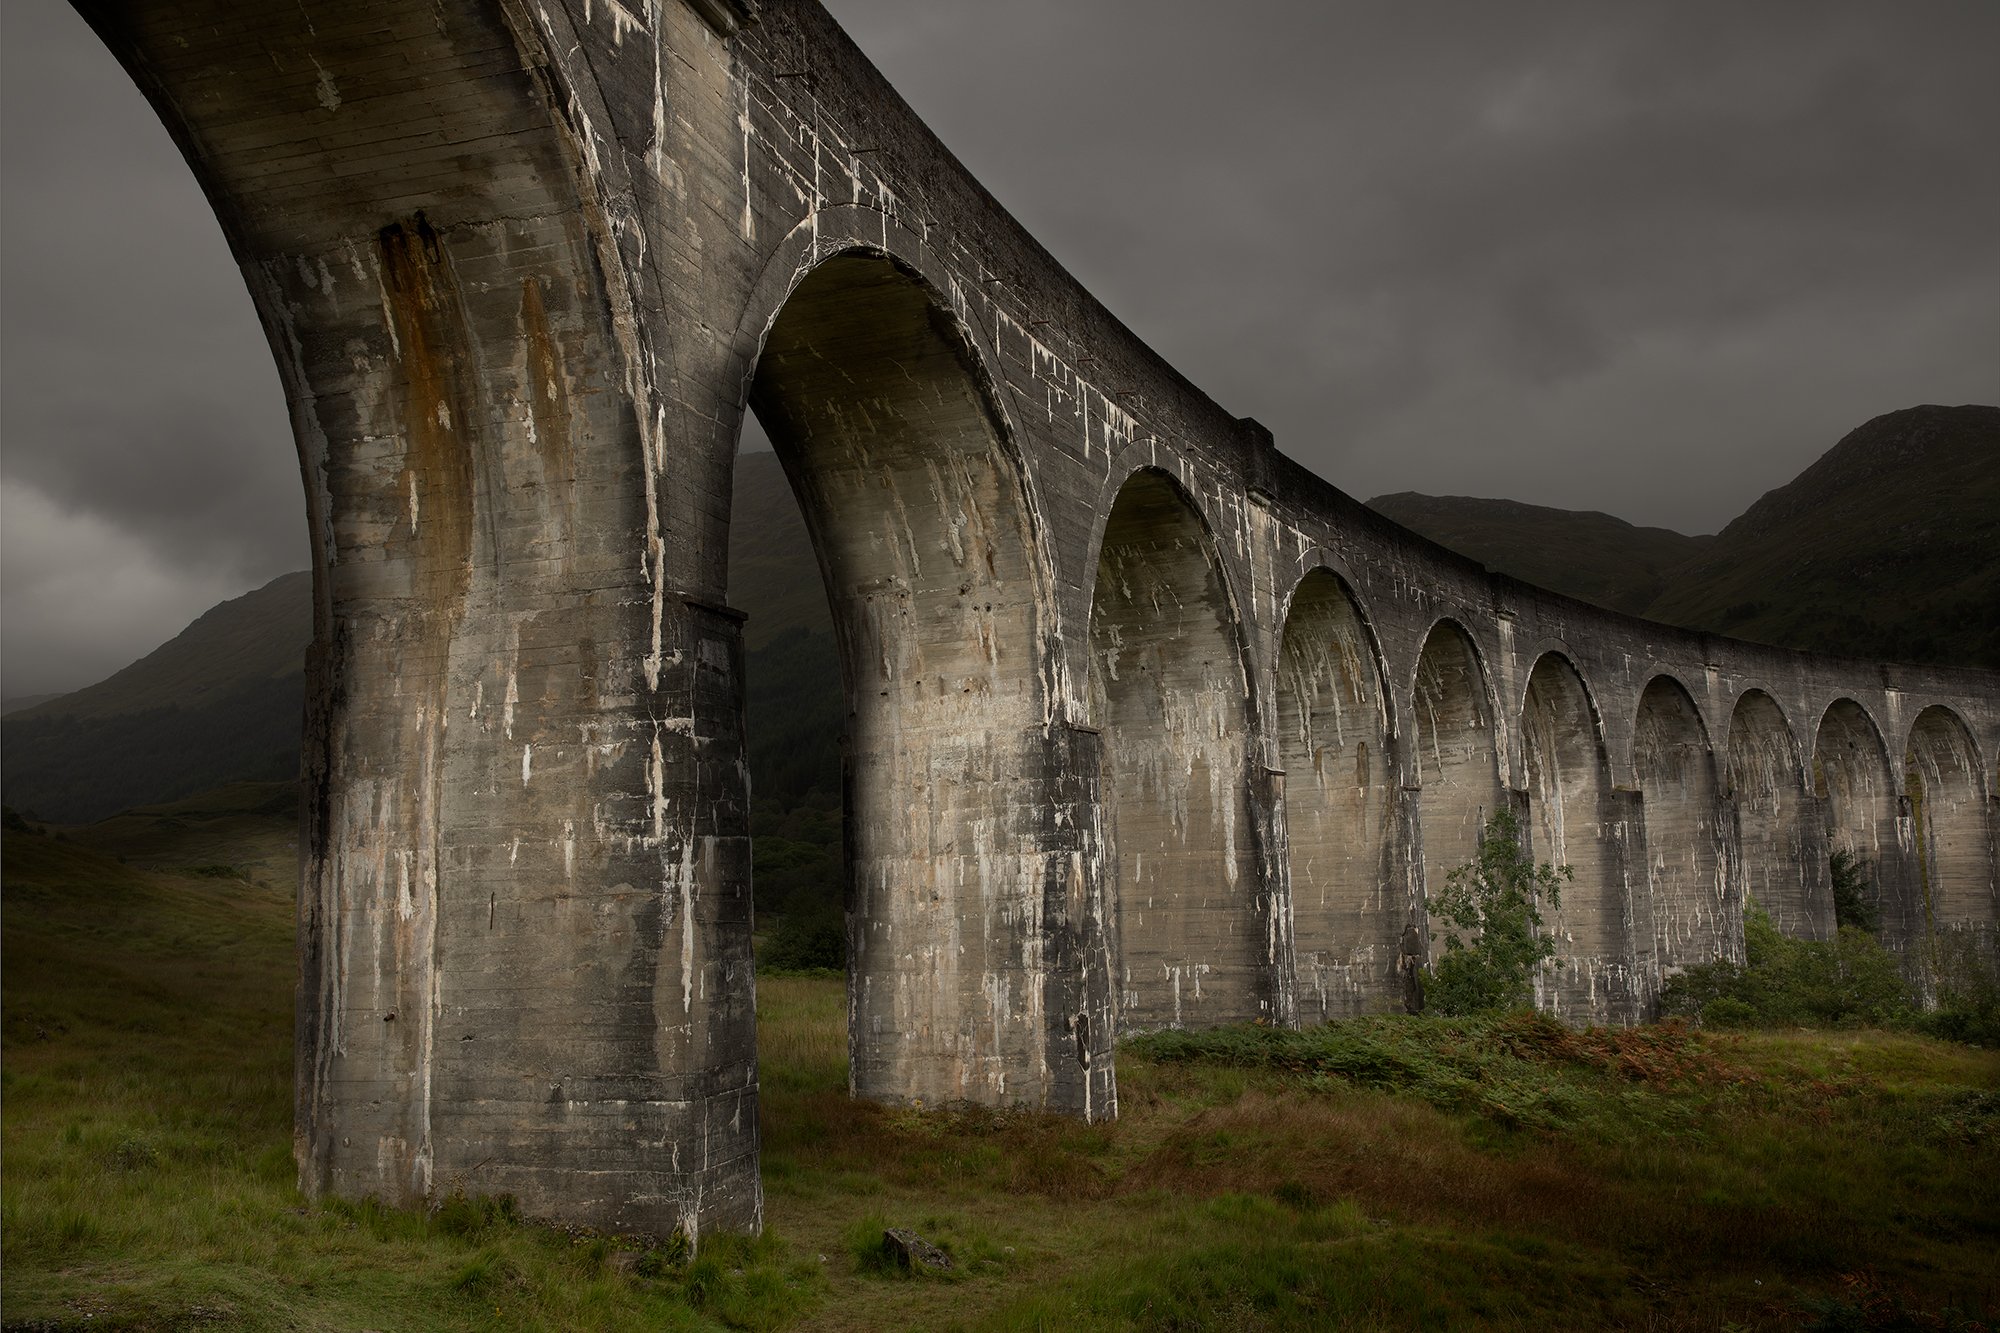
<point>1646,257</point>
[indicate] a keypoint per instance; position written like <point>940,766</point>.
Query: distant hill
<point>222,701</point>
<point>15,703</point>
<point>1887,547</point>
<point>1588,555</point>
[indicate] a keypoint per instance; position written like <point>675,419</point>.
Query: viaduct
<point>1147,724</point>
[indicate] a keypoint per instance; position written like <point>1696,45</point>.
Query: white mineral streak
<point>327,92</point>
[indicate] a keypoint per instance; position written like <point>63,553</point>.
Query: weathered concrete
<point>1147,723</point>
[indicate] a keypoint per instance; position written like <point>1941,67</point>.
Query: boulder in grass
<point>913,1251</point>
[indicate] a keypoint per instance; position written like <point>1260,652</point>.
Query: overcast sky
<point>1651,258</point>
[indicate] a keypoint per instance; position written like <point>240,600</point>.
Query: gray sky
<point>1649,257</point>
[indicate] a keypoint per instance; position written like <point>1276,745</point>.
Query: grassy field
<point>1384,1174</point>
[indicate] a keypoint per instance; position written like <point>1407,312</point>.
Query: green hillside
<point>1590,556</point>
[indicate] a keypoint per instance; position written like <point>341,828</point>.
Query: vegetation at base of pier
<point>1494,943</point>
<point>1388,1172</point>
<point>1849,981</point>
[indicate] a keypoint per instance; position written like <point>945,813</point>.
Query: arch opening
<point>1862,805</point>
<point>1941,777</point>
<point>877,408</point>
<point>1455,760</point>
<point>1594,977</point>
<point>1169,690</point>
<point>1696,917</point>
<point>1349,907</point>
<point>1782,854</point>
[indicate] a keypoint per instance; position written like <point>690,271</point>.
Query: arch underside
<point>1167,686</point>
<point>1863,809</point>
<point>1455,758</point>
<point>1349,906</point>
<point>876,407</point>
<point>1696,917</point>
<point>1782,855</point>
<point>1948,817</point>
<point>1595,975</point>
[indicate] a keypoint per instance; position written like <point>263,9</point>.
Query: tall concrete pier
<point>1147,725</point>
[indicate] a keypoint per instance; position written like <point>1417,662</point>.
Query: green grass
<point>1387,1173</point>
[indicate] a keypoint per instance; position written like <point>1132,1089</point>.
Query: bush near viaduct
<point>1147,724</point>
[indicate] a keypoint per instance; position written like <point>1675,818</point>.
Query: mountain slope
<point>221,701</point>
<point>1587,555</point>
<point>1888,547</point>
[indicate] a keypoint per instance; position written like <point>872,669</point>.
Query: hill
<point>221,701</point>
<point>1887,547</point>
<point>1588,555</point>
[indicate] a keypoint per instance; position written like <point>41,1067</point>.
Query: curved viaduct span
<point>1148,725</point>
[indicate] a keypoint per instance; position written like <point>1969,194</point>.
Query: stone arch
<point>1861,795</point>
<point>1781,860</point>
<point>1573,822</point>
<point>1169,689</point>
<point>884,420</point>
<point>1942,778</point>
<point>1695,916</point>
<point>1455,756</point>
<point>1349,906</point>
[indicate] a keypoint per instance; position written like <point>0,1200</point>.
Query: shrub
<point>1965,971</point>
<point>1493,905</point>
<point>1853,894</point>
<point>808,940</point>
<point>1782,982</point>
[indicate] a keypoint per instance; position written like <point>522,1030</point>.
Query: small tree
<point>1853,895</point>
<point>1493,906</point>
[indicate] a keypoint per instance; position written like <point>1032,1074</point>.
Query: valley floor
<point>1392,1173</point>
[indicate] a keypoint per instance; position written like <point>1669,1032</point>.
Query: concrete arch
<point>1575,821</point>
<point>925,539</point>
<point>1696,917</point>
<point>1782,853</point>
<point>1169,686</point>
<point>840,231</point>
<point>1943,779</point>
<point>1689,683</point>
<point>1349,904</point>
<point>1862,802</point>
<point>1455,749</point>
<point>1152,455</point>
